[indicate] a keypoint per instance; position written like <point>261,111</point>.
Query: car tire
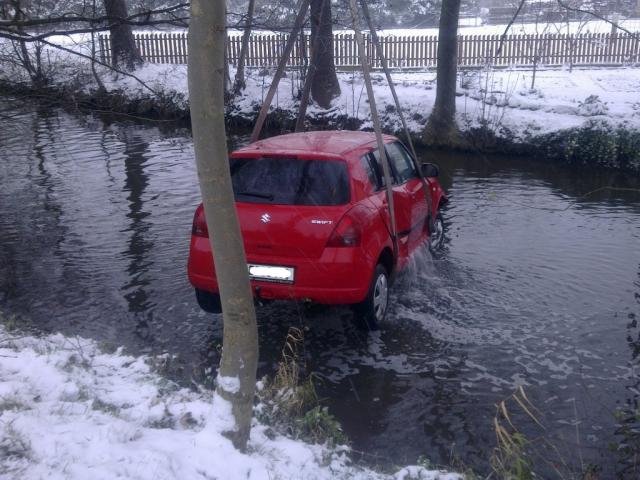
<point>369,313</point>
<point>209,302</point>
<point>436,234</point>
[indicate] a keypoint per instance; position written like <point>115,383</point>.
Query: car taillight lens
<point>199,227</point>
<point>346,234</point>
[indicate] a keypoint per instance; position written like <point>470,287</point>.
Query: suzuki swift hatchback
<point>315,220</point>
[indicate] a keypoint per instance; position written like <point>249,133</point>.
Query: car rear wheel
<point>209,302</point>
<point>436,234</point>
<point>373,310</point>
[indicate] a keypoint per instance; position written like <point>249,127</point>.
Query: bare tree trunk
<point>206,94</point>
<point>325,86</point>
<point>93,54</point>
<point>308,79</point>
<point>124,53</point>
<point>227,75</point>
<point>239,83</point>
<point>441,127</point>
<point>21,50</point>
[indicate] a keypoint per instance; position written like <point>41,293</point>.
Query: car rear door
<point>413,193</point>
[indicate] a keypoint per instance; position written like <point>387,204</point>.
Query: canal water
<point>538,287</point>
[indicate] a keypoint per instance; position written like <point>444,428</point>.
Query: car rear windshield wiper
<point>266,196</point>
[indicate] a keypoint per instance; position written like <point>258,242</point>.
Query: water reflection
<point>580,185</point>
<point>138,246</point>
<point>44,153</point>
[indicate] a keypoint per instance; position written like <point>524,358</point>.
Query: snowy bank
<point>69,410</point>
<point>551,114</point>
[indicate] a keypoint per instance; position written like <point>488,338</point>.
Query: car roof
<point>332,143</point>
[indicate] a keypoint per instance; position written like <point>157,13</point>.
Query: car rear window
<point>290,181</point>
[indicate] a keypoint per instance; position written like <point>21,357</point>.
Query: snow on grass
<point>69,410</point>
<point>506,100</point>
<point>501,99</point>
<point>586,26</point>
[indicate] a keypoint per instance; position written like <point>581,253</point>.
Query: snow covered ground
<point>469,28</point>
<point>504,100</point>
<point>69,410</point>
<point>501,99</point>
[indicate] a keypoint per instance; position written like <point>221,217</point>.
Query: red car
<point>315,221</point>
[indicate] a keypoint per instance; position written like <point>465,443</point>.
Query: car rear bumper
<point>339,276</point>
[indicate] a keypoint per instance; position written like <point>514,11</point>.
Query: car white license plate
<point>271,273</point>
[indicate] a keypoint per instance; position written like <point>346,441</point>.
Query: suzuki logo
<point>266,218</point>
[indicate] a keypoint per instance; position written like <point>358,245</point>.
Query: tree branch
<point>25,37</point>
<point>110,67</point>
<point>74,18</point>
<point>506,30</point>
<point>599,17</point>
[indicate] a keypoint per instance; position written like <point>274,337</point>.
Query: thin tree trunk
<point>93,55</point>
<point>533,76</point>
<point>227,75</point>
<point>304,99</point>
<point>325,86</point>
<point>308,81</point>
<point>239,83</point>
<point>206,94</point>
<point>23,52</point>
<point>441,126</point>
<point>124,53</point>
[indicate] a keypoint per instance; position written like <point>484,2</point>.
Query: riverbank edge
<point>178,414</point>
<point>597,144</point>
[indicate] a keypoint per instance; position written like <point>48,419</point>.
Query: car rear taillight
<point>199,228</point>
<point>346,234</point>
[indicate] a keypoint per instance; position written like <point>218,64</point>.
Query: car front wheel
<point>373,310</point>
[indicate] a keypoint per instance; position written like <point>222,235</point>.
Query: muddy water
<point>538,286</point>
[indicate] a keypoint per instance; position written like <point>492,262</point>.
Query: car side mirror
<point>430,170</point>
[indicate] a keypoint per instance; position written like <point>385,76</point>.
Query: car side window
<point>402,163</point>
<point>377,166</point>
<point>372,170</point>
